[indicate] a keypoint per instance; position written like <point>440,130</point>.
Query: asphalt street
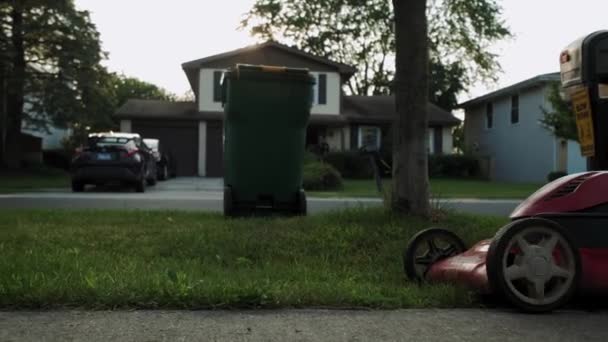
<point>303,325</point>
<point>206,195</point>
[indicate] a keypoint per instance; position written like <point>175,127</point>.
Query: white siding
<point>335,139</point>
<point>332,107</point>
<point>202,148</point>
<point>333,95</point>
<point>125,126</point>
<point>448,143</point>
<point>205,101</point>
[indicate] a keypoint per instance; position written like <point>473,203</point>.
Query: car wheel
<point>140,185</point>
<point>151,180</point>
<point>534,264</point>
<point>164,172</point>
<point>77,186</point>
<point>428,247</point>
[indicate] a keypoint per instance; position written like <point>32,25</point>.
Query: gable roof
<point>514,89</point>
<point>340,67</point>
<point>192,68</point>
<point>373,109</point>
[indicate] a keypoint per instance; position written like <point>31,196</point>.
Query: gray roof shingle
<point>369,109</point>
<point>513,89</point>
<point>359,109</point>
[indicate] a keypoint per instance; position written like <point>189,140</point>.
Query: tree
<point>49,62</point>
<point>132,88</point>
<point>109,93</point>
<point>361,33</point>
<point>458,138</point>
<point>410,193</point>
<point>560,120</point>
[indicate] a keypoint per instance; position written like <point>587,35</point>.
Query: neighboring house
<point>193,131</point>
<point>504,129</point>
<point>52,137</point>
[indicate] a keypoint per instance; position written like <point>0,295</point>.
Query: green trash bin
<point>266,115</point>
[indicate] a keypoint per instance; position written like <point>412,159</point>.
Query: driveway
<point>303,325</point>
<point>204,194</point>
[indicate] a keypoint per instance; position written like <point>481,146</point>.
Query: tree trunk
<point>15,91</point>
<point>3,117</point>
<point>410,193</point>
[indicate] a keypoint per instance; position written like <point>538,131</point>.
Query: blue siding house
<point>504,130</point>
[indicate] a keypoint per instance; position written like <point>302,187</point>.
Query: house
<point>52,137</point>
<point>193,131</point>
<point>504,129</point>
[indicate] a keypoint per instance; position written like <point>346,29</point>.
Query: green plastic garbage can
<point>266,115</point>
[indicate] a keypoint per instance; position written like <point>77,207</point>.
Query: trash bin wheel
<point>426,248</point>
<point>301,205</point>
<point>534,264</point>
<point>228,202</point>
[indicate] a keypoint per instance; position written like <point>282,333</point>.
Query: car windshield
<point>107,141</point>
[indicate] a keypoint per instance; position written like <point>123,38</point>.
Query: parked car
<point>165,165</point>
<point>113,157</point>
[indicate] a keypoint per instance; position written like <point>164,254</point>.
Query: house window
<point>217,86</point>
<point>322,83</point>
<point>515,109</point>
<point>369,138</point>
<point>489,115</point>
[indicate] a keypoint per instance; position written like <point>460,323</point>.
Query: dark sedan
<point>113,157</point>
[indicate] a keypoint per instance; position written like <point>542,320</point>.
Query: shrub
<point>453,165</point>
<point>321,176</point>
<point>59,159</point>
<point>555,175</point>
<point>350,164</point>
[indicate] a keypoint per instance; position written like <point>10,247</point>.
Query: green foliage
<point>32,179</point>
<point>126,88</point>
<point>458,138</point>
<point>361,33</point>
<point>113,91</point>
<point>560,120</point>
<point>188,260</point>
<point>453,165</point>
<point>321,176</point>
<point>553,175</point>
<point>51,53</point>
<point>440,188</point>
<point>50,62</point>
<point>351,164</point>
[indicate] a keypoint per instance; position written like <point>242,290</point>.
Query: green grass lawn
<point>140,259</point>
<point>440,188</point>
<point>32,179</point>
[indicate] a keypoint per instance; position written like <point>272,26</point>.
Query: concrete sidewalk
<point>303,325</point>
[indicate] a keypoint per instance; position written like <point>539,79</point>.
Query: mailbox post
<point>584,75</point>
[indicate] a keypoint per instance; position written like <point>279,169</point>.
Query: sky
<point>150,39</point>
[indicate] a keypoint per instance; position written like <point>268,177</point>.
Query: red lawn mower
<point>557,242</point>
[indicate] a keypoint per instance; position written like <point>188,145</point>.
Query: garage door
<point>180,138</point>
<point>215,149</point>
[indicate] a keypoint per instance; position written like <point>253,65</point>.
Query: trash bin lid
<point>269,72</point>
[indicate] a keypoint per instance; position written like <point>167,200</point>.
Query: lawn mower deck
<point>555,245</point>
